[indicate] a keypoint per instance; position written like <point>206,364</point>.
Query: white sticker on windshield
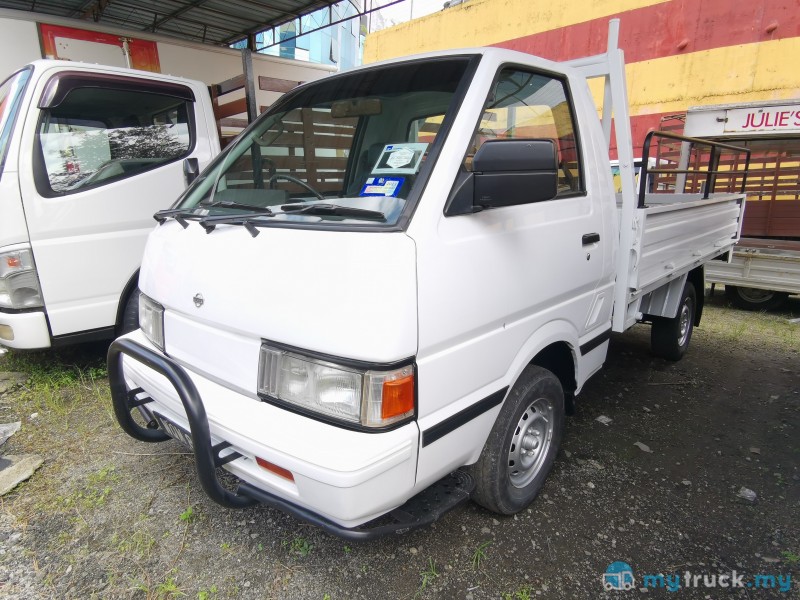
<point>400,158</point>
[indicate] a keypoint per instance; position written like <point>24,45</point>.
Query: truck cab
<point>88,154</point>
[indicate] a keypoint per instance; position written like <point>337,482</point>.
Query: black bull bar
<point>423,509</point>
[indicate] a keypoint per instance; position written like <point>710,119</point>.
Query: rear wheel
<point>754,299</point>
<point>522,445</point>
<point>669,338</point>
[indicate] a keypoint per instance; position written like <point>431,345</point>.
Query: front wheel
<point>670,338</point>
<point>522,445</point>
<point>754,299</point>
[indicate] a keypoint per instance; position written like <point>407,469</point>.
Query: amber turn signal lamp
<point>398,397</point>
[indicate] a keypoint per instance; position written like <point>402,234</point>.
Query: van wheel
<point>130,314</point>
<point>754,299</point>
<point>522,445</point>
<point>670,338</point>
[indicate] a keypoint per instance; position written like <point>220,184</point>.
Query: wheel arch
<point>559,358</point>
<point>697,277</point>
<point>553,346</point>
<point>129,288</point>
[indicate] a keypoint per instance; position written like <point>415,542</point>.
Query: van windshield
<point>356,144</point>
<point>10,94</point>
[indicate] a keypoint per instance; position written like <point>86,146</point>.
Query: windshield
<point>10,94</point>
<point>354,144</point>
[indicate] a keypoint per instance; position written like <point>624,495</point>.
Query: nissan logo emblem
<point>198,300</point>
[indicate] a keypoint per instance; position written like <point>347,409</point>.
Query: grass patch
<point>427,576</point>
<point>139,543</point>
<point>748,329</point>
<point>300,547</point>
<point>480,554</point>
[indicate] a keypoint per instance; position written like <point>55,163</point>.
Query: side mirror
<point>191,169</point>
<point>506,173</point>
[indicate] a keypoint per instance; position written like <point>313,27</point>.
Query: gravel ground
<point>657,487</point>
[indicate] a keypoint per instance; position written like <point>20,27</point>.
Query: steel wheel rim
<point>755,295</point>
<point>685,323</point>
<point>530,442</point>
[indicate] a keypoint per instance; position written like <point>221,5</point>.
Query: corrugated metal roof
<point>207,21</point>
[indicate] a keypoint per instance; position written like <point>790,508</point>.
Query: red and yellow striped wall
<point>679,53</point>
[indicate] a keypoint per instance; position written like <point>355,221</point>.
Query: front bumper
<point>24,330</point>
<point>342,479</point>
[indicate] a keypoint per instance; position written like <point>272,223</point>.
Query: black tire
<point>129,320</point>
<point>669,338</point>
<point>530,423</point>
<point>754,299</point>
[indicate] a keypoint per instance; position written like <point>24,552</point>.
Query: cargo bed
<point>673,234</point>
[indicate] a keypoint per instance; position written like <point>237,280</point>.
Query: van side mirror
<point>506,173</point>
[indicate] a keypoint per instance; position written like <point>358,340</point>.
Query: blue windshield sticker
<point>382,186</point>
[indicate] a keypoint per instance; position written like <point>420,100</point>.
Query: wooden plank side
<point>231,108</point>
<point>273,84</point>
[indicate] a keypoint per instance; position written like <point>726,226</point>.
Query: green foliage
<point>790,557</point>
<point>428,576</point>
<point>139,543</point>
<point>188,516</point>
<point>168,589</point>
<point>479,555</point>
<point>209,594</point>
<point>301,547</point>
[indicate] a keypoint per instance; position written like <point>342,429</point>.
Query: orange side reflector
<point>280,471</point>
<point>398,397</point>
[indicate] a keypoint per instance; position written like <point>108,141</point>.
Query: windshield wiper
<point>229,204</point>
<point>180,214</point>
<point>333,210</point>
<point>248,220</point>
<point>174,213</point>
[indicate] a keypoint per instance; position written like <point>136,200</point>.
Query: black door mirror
<point>505,173</point>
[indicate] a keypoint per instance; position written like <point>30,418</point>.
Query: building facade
<point>679,53</point>
<point>329,36</point>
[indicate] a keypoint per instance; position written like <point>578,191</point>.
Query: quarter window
<point>96,136</point>
<point>525,105</point>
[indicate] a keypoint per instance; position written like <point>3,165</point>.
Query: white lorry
<point>368,334</point>
<point>765,267</point>
<point>88,153</point>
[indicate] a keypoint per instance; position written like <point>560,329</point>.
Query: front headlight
<point>370,398</point>
<point>19,283</point>
<point>151,320</point>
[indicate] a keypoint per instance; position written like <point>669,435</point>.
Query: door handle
<point>590,238</point>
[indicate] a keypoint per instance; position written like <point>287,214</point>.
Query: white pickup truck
<point>383,298</point>
<point>87,154</point>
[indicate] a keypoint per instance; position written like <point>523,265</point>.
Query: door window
<point>526,105</point>
<point>95,136</point>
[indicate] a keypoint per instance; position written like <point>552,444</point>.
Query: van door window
<point>10,94</point>
<point>96,136</point>
<point>526,105</point>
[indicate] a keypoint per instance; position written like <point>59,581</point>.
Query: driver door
<point>104,153</point>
